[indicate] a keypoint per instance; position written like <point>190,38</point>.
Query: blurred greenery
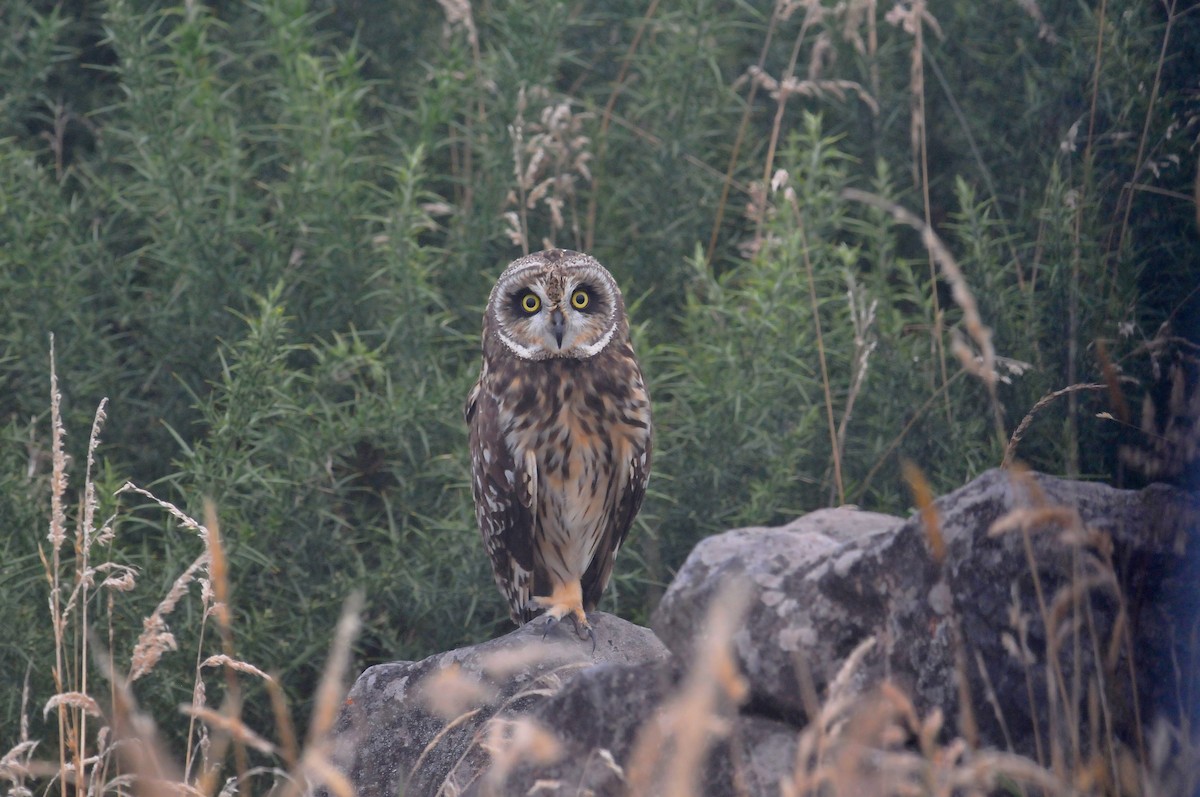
<point>265,232</point>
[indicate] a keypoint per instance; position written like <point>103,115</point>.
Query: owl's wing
<point>629,501</point>
<point>503,491</point>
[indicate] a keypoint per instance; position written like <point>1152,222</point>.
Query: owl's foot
<point>567,601</point>
<point>583,632</point>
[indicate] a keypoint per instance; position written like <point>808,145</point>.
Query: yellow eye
<point>579,299</point>
<point>530,303</point>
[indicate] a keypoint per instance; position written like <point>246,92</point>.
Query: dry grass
<point>672,747</point>
<point>106,744</point>
<point>835,448</point>
<point>550,156</point>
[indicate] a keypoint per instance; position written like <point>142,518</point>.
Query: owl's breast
<point>560,408</point>
<point>584,426</point>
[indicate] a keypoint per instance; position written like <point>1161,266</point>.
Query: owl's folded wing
<point>502,505</point>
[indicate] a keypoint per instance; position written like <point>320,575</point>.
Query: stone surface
<point>818,593</point>
<point>520,715</point>
<point>415,725</point>
<point>787,569</point>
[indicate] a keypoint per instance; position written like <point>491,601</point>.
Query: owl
<point>560,435</point>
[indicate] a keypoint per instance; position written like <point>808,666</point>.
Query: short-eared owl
<point>560,434</point>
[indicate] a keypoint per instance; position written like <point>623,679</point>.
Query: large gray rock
<point>410,727</point>
<point>832,579</point>
<point>523,715</point>
<point>786,569</point>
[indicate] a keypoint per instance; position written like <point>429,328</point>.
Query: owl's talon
<point>588,633</point>
<point>583,630</point>
<point>551,622</point>
<point>566,601</point>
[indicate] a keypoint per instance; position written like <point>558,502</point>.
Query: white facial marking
<point>524,352</point>
<point>598,346</point>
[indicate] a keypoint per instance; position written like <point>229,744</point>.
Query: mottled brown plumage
<point>560,434</point>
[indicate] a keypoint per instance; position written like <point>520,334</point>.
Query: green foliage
<point>265,232</point>
<point>744,418</point>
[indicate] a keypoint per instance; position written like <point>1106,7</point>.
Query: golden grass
<point>669,755</point>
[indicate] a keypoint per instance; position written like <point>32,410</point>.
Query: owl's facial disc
<point>568,313</point>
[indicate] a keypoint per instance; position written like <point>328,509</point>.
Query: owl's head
<point>556,303</point>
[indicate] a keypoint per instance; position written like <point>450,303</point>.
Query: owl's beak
<point>558,325</point>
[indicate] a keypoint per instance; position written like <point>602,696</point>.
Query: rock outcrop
<point>420,727</point>
<point>1019,625</point>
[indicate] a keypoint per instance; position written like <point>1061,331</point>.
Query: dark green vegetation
<point>266,231</point>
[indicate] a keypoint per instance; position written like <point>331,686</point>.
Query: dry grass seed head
<point>547,165</point>
<point>221,660</point>
<point>78,700</point>
<point>86,530</point>
<point>14,765</point>
<point>510,742</point>
<point>458,15</point>
<point>331,689</point>
<point>1023,426</point>
<point>123,578</point>
<point>59,461</point>
<point>450,691</point>
<point>156,638</point>
<point>668,755</point>
<point>233,727</point>
<point>184,519</point>
<point>218,571</point>
<point>319,769</point>
<point>502,663</point>
<point>810,87</point>
<point>1033,519</point>
<point>923,498</point>
<point>857,15</point>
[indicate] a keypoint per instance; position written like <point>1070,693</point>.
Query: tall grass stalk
<point>983,363</point>
<point>834,444</point>
<point>606,118</point>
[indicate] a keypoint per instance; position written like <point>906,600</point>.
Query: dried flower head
<point>550,156</point>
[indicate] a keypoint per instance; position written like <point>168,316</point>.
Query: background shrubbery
<point>266,231</point>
